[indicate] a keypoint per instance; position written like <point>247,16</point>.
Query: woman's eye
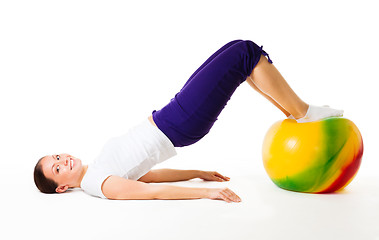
<point>58,157</point>
<point>58,169</point>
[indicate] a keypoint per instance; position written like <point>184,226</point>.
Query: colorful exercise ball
<point>314,157</point>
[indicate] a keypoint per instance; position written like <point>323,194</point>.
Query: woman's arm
<point>174,175</point>
<point>115,187</point>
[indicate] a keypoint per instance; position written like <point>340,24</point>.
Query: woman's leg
<point>252,84</point>
<point>269,80</point>
<point>213,56</point>
<point>249,80</point>
<point>192,112</point>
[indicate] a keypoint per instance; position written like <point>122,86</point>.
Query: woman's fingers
<point>229,196</point>
<point>213,176</point>
<point>224,194</point>
<point>218,177</point>
<point>225,197</point>
<point>234,197</point>
<point>222,177</point>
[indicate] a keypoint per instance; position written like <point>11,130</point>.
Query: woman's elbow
<point>147,178</point>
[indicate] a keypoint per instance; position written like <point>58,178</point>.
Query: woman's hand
<point>212,176</point>
<point>223,194</point>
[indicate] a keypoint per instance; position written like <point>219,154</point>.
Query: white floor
<point>266,212</point>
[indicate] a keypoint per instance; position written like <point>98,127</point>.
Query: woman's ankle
<point>301,111</point>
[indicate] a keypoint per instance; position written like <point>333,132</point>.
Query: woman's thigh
<point>192,112</point>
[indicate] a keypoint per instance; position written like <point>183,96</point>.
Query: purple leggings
<point>190,115</point>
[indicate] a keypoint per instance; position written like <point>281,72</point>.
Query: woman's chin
<point>76,164</point>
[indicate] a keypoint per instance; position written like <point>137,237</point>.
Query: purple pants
<point>192,112</point>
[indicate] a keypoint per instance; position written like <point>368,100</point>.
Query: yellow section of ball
<point>290,147</point>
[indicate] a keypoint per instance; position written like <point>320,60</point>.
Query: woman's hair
<point>43,183</point>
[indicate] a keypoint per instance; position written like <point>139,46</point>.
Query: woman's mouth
<point>71,163</point>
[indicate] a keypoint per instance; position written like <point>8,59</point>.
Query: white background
<point>75,73</point>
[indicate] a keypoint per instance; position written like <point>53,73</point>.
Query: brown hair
<point>43,183</point>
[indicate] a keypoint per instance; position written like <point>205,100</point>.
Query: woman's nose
<point>66,162</point>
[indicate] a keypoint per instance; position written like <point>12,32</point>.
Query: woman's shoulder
<point>93,180</point>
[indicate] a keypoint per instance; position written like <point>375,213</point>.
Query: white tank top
<point>130,156</point>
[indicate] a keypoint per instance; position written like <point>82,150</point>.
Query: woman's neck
<point>84,170</point>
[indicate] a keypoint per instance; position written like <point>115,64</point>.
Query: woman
<point>123,168</point>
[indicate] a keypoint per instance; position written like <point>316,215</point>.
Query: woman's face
<point>64,169</point>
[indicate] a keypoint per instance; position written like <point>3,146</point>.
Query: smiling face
<point>66,170</point>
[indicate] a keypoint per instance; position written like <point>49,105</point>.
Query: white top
<point>129,156</point>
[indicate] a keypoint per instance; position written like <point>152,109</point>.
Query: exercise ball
<point>314,157</point>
